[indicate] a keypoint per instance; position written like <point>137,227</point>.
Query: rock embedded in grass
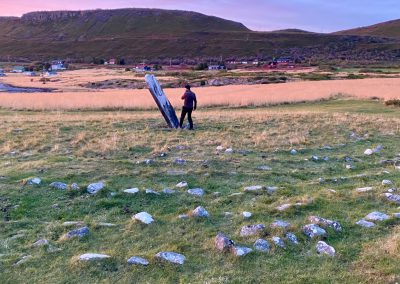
<point>78,233</point>
<point>73,223</point>
<point>254,188</point>
<point>34,181</point>
<point>136,260</point>
<point>182,184</point>
<point>144,217</point>
<point>312,231</point>
<point>196,191</point>
<point>251,230</point>
<point>324,248</point>
<point>168,191</point>
<point>95,187</point>
<point>183,216</point>
<point>280,224</point>
<point>229,151</point>
<point>23,260</point>
<point>387,182</point>
<point>393,197</point>
<point>293,151</point>
<point>279,242</point>
<point>284,207</point>
<point>364,189</point>
<point>75,186</point>
<point>262,245</point>
<point>365,223</point>
<point>223,243</point>
<point>240,251</point>
<point>59,185</point>
<point>200,212</point>
<point>377,216</point>
<point>247,215</point>
<point>132,190</point>
<point>151,191</point>
<point>292,238</point>
<point>264,168</point>
<point>180,161</point>
<point>41,242</point>
<point>325,222</point>
<point>93,257</point>
<point>171,257</point>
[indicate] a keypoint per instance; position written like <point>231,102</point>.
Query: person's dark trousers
<point>187,111</point>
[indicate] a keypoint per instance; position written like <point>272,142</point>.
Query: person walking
<point>189,104</point>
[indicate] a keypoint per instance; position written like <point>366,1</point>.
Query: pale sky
<point>261,15</point>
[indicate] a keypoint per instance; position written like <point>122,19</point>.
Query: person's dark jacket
<point>190,100</point>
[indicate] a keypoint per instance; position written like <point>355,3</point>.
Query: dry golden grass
<point>252,95</point>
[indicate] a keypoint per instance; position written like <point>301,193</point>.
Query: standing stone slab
<point>162,101</point>
<point>171,257</point>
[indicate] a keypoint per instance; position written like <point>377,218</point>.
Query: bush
<point>394,102</point>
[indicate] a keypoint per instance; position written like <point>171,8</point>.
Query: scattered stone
<point>42,242</point>
<point>264,168</point>
<point>350,167</point>
<point>176,172</point>
<point>396,215</point>
<point>240,251</point>
<point>376,216</point>
<point>223,243</point>
<point>73,223</point>
<point>364,189</point>
<point>387,182</point>
<point>171,257</point>
<point>279,242</point>
<point>95,187</point>
<point>182,184</point>
<point>271,189</point>
<point>254,188</point>
<point>144,217</point>
<point>102,224</point>
<point>112,194</point>
<point>391,190</point>
<point>315,158</point>
<point>247,214</point>
<point>168,191</point>
<point>325,222</point>
<point>229,151</point>
<point>136,260</point>
<point>365,224</point>
<point>151,191</point>
<point>393,197</point>
<point>34,181</point>
<point>75,186</point>
<point>132,190</point>
<point>93,256</point>
<point>23,260</point>
<point>292,238</point>
<point>78,233</point>
<point>52,249</point>
<point>331,190</point>
<point>368,152</point>
<point>179,161</point>
<point>280,224</point>
<point>196,191</point>
<point>228,214</point>
<point>293,151</point>
<point>59,185</point>
<point>200,212</point>
<point>283,207</point>
<point>183,216</point>
<point>324,248</point>
<point>236,194</point>
<point>325,158</point>
<point>312,230</point>
<point>56,206</point>
<point>251,230</point>
<point>220,148</point>
<point>262,245</point>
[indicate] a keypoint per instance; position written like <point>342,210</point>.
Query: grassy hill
<point>386,29</point>
<point>137,34</point>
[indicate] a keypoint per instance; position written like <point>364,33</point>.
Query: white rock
<point>151,191</point>
<point>93,256</point>
<point>132,190</point>
<point>73,223</point>
<point>35,181</point>
<point>364,189</point>
<point>200,212</point>
<point>368,152</point>
<point>102,224</point>
<point>23,260</point>
<point>168,191</point>
<point>229,151</point>
<point>144,217</point>
<point>196,191</point>
<point>172,257</point>
<point>324,248</point>
<point>220,148</point>
<point>377,216</point>
<point>95,187</point>
<point>136,260</point>
<point>264,168</point>
<point>387,182</point>
<point>293,151</point>
<point>283,207</point>
<point>262,245</point>
<point>182,184</point>
<point>183,216</point>
<point>279,242</point>
<point>41,242</point>
<point>254,188</point>
<point>364,223</point>
<point>247,214</point>
<point>241,251</point>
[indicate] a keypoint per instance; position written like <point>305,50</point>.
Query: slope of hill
<point>386,29</point>
<point>137,34</point>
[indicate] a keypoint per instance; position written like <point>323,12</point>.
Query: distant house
<point>18,69</point>
<point>2,73</point>
<point>58,65</point>
<point>50,73</point>
<point>30,73</point>
<point>216,67</point>
<point>112,61</point>
<point>282,62</point>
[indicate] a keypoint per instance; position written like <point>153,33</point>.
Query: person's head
<point>187,87</point>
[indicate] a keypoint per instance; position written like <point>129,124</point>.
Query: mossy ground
<point>86,147</point>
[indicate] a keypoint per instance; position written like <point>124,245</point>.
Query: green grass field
<point>87,147</point>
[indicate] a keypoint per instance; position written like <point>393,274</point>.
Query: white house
<point>216,67</point>
<point>58,65</point>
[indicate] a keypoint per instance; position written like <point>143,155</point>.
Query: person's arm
<point>184,96</point>
<point>195,102</point>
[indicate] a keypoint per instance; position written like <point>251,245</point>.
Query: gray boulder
<point>34,181</point>
<point>393,197</point>
<point>42,242</point>
<point>223,243</point>
<point>324,248</point>
<point>59,185</point>
<point>240,251</point>
<point>279,242</point>
<point>95,187</point>
<point>280,224</point>
<point>251,230</point>
<point>78,233</point>
<point>144,217</point>
<point>326,223</point>
<point>292,238</point>
<point>171,257</point>
<point>377,216</point>
<point>136,260</point>
<point>200,212</point>
<point>365,224</point>
<point>262,245</point>
<point>196,191</point>
<point>312,231</point>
